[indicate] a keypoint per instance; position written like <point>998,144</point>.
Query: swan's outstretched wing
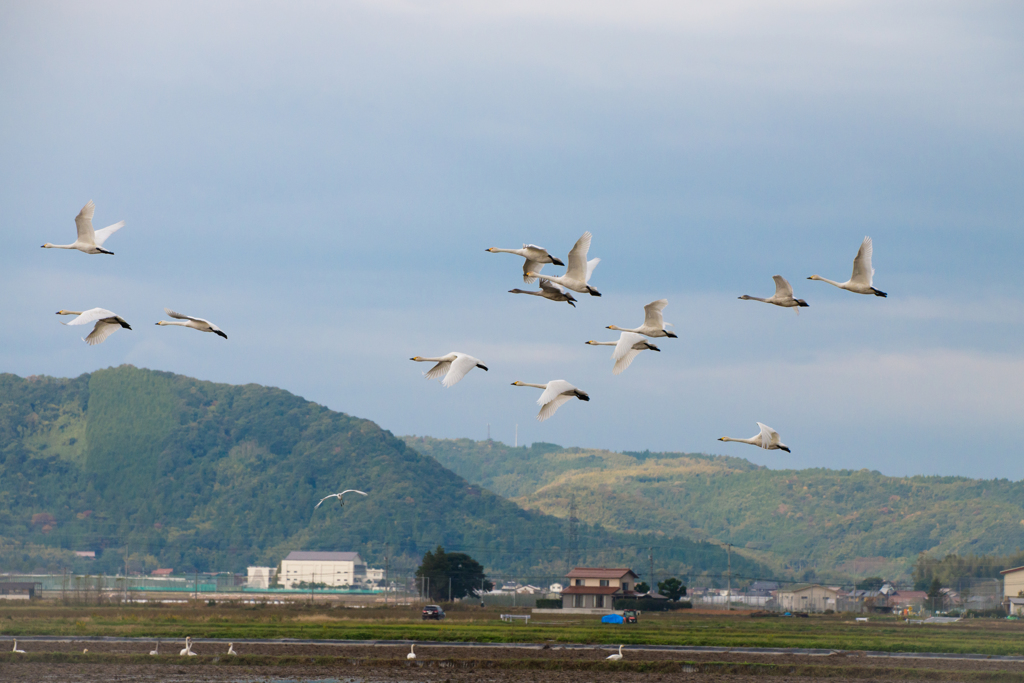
<point>100,333</point>
<point>458,368</point>
<point>531,267</point>
<point>100,236</point>
<point>591,264</point>
<point>624,362</point>
<point>551,406</point>
<point>769,437</point>
<point>92,315</point>
<point>352,491</point>
<point>83,221</point>
<point>438,370</point>
<point>625,344</point>
<point>652,314</point>
<point>783,289</point>
<point>554,388</point>
<point>863,273</point>
<point>577,268</point>
<point>333,495</point>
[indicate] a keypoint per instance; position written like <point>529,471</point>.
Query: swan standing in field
<point>89,241</point>
<point>187,651</point>
<point>106,323</point>
<point>194,323</point>
<point>654,323</point>
<point>626,349</point>
<point>535,257</point>
<point>863,273</point>
<point>412,652</point>
<point>231,649</point>
<point>556,392</point>
<point>768,439</point>
<point>579,270</point>
<point>783,296</point>
<point>615,657</point>
<point>341,501</point>
<point>549,290</point>
<point>15,649</point>
<point>454,367</point>
<point>157,650</point>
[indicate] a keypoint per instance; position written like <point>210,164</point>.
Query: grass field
<point>736,629</point>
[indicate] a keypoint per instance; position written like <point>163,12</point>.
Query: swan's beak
<point>488,249</point>
<point>590,342</point>
<point>515,384</point>
<point>721,438</point>
<point>531,274</point>
<point>415,358</point>
<point>607,327</point>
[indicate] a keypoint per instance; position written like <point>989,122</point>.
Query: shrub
<point>543,603</point>
<point>651,604</point>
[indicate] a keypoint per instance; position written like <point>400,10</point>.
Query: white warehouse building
<point>332,569</point>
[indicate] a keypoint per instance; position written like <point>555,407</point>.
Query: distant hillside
<point>201,476</point>
<point>834,522</point>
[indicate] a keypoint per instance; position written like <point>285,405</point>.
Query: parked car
<point>629,616</point>
<point>433,612</point>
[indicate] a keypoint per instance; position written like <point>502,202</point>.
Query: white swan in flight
<point>579,270</point>
<point>615,657</point>
<point>187,650</point>
<point>863,273</point>
<point>629,345</point>
<point>768,439</point>
<point>339,497</point>
<point>155,651</point>
<point>412,652</point>
<point>654,323</point>
<point>15,649</point>
<point>194,323</point>
<point>535,257</point>
<point>783,296</point>
<point>106,323</point>
<point>556,392</point>
<point>454,367</point>
<point>549,290</point>
<point>89,241</point>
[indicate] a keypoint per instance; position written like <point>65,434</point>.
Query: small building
<point>912,601</point>
<point>1013,584</point>
<point>807,598</point>
<point>167,571</point>
<point>260,577</point>
<point>329,568</point>
<point>375,576</point>
<point>19,590</point>
<point>87,554</point>
<point>598,587</point>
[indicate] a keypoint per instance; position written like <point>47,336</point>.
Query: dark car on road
<point>433,612</point>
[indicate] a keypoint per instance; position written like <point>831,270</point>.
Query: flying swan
<point>863,273</point>
<point>549,290</point>
<point>106,323</point>
<point>339,497</point>
<point>454,367</point>
<point>535,257</point>
<point>194,323</point>
<point>556,392</point>
<point>615,657</point>
<point>578,273</point>
<point>783,296</point>
<point>626,349</point>
<point>654,323</point>
<point>767,439</point>
<point>89,241</point>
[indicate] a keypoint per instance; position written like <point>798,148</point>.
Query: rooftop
<point>323,556</point>
<point>600,573</point>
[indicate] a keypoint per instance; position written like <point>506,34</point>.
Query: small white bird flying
<point>579,270</point>
<point>629,345</point>
<point>549,290</point>
<point>535,257</point>
<point>412,652</point>
<point>106,323</point>
<point>783,296</point>
<point>768,439</point>
<point>615,657</point>
<point>556,392</point>
<point>194,323</point>
<point>89,241</point>
<point>863,273</point>
<point>339,497</point>
<point>453,367</point>
<point>654,323</point>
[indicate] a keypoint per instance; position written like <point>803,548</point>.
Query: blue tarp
<point>611,619</point>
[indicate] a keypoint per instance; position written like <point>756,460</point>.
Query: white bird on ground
<point>412,652</point>
<point>768,439</point>
<point>783,296</point>
<point>863,273</point>
<point>21,652</point>
<point>194,323</point>
<point>106,323</point>
<point>615,657</point>
<point>157,650</point>
<point>535,257</point>
<point>556,392</point>
<point>454,367</point>
<point>654,323</point>
<point>549,290</point>
<point>231,649</point>
<point>187,650</point>
<point>579,270</point>
<point>626,349</point>
<point>89,241</point>
<point>341,501</point>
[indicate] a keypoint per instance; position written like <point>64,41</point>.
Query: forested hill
<point>200,476</point>
<point>825,523</point>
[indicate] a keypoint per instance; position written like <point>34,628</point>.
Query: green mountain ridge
<point>805,523</point>
<point>200,476</point>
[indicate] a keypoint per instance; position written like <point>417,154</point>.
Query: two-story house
<point>597,587</point>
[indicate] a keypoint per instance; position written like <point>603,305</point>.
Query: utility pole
<point>126,572</point>
<point>728,590</point>
<point>449,589</point>
<point>650,558</point>
<point>387,566</point>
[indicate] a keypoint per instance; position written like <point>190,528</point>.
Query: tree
<point>934,592</point>
<point>465,574</point>
<point>672,588</point>
<point>871,583</point>
<point>642,587</point>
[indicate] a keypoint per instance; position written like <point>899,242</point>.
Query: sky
<point>321,179</point>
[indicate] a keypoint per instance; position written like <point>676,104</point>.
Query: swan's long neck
<point>754,440</point>
<point>753,298</point>
<point>535,386</point>
<point>549,278</point>
<point>523,291</point>
<point>619,329</point>
<point>840,285</point>
<point>620,650</point>
<point>412,648</point>
<point>69,313</point>
<point>180,323</point>
<point>495,250</point>
<point>59,246</point>
<point>423,359</point>
<point>597,343</point>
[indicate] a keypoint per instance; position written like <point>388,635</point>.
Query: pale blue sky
<point>321,180</point>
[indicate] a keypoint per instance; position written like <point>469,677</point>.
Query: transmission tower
<point>573,546</point>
